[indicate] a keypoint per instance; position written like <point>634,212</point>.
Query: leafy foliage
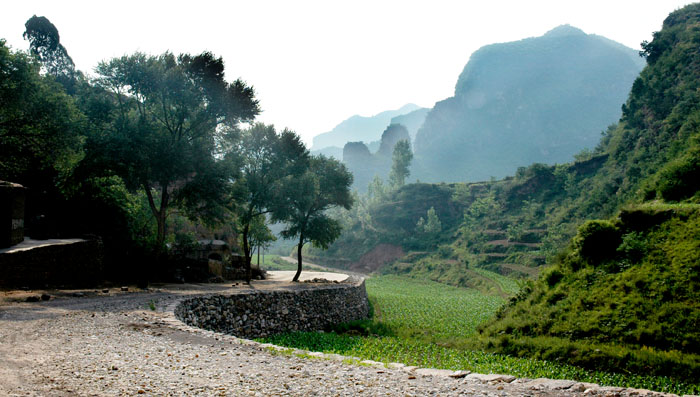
<point>324,185</point>
<point>45,44</point>
<point>264,158</point>
<point>171,115</point>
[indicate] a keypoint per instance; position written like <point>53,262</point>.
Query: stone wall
<point>11,214</point>
<point>66,263</point>
<point>303,307</point>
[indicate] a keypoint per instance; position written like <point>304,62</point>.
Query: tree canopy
<point>172,117</point>
<point>39,124</point>
<point>265,158</point>
<point>306,199</point>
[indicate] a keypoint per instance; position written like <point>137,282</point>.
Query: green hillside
<point>627,296</point>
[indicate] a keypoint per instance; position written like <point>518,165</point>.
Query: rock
<point>489,378</point>
<point>459,374</point>
<point>105,291</point>
<point>33,298</point>
<point>434,372</point>
<point>45,297</point>
<point>124,289</point>
<point>78,294</point>
<point>583,386</point>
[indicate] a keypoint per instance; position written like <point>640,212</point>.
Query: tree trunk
<point>299,247</point>
<point>246,253</point>
<point>159,213</point>
<point>160,238</point>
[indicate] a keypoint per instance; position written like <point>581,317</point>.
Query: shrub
<point>597,240</point>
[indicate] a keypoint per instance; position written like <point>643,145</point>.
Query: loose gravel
<point>113,344</point>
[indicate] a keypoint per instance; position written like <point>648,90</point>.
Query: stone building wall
<point>252,314</point>
<point>73,263</point>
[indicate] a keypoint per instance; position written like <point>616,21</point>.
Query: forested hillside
<point>540,99</point>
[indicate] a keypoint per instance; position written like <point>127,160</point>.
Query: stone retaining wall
<point>252,314</point>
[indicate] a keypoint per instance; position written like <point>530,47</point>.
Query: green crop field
<point>429,324</point>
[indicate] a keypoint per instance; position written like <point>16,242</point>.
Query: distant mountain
<point>330,151</point>
<point>364,164</point>
<point>412,121</point>
<point>360,128</point>
<point>537,100</point>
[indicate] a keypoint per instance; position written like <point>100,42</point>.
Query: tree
<point>40,125</point>
<point>172,119</point>
<point>400,161</point>
<point>45,44</point>
<point>260,235</point>
<point>326,184</point>
<point>265,159</point>
<point>432,226</point>
<point>376,191</point>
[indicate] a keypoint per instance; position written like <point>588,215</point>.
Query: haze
<point>316,63</point>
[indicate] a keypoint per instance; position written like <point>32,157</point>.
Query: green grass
<point>429,324</point>
<point>506,284</point>
<point>428,309</point>
<point>274,262</point>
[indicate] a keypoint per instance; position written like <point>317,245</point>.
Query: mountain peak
<point>565,30</point>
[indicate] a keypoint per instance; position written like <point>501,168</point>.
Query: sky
<point>314,64</point>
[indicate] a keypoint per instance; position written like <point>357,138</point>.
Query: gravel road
<point>113,344</point>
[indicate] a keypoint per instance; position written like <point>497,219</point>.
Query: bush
<point>597,240</point>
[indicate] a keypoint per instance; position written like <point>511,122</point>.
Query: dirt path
<point>306,264</point>
<point>114,344</point>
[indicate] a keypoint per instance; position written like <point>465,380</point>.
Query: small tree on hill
<point>401,160</point>
<point>429,229</point>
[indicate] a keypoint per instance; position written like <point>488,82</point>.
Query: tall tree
<point>400,162</point>
<point>173,118</point>
<point>265,159</point>
<point>326,184</point>
<point>45,44</point>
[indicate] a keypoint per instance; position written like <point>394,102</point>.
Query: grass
<point>275,262</point>
<point>429,324</point>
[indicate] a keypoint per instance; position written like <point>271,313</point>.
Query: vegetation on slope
<point>626,294</point>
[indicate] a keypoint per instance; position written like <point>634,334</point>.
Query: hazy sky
<point>316,63</point>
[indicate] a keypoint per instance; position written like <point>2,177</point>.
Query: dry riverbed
<point>112,343</point>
